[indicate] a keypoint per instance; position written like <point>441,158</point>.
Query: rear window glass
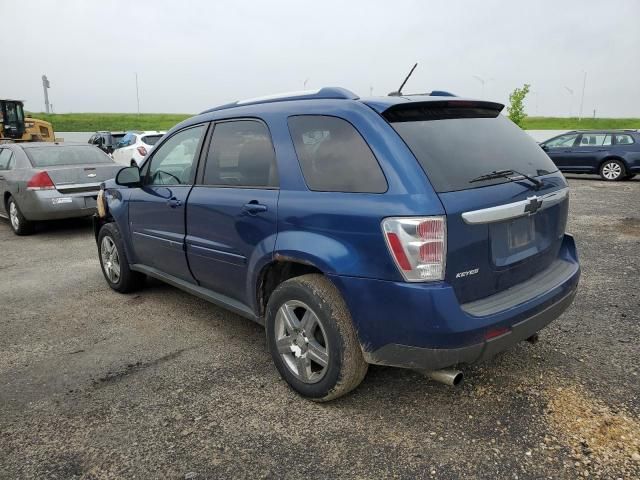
<point>151,139</point>
<point>334,157</point>
<point>453,151</point>
<point>66,155</point>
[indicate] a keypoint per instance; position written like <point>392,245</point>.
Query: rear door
<point>157,209</point>
<point>6,164</point>
<point>589,149</point>
<point>500,231</point>
<point>232,210</point>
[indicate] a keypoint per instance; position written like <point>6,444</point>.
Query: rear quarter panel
<point>337,232</point>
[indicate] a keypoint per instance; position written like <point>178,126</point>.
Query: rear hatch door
<point>502,230</point>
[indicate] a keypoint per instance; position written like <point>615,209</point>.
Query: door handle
<point>253,207</point>
<point>174,202</point>
<point>1,177</point>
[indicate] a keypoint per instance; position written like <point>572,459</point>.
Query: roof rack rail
<point>336,93</point>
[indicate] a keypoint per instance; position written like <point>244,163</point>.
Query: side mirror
<point>129,177</point>
<point>544,147</point>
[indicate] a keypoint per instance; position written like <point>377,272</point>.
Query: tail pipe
<point>446,376</point>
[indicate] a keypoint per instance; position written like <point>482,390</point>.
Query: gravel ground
<point>161,384</point>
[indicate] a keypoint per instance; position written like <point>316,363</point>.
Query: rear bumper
<point>52,205</point>
<point>435,358</point>
<point>424,326</point>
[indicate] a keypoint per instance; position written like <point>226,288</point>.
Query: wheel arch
<point>613,157</point>
<point>280,269</point>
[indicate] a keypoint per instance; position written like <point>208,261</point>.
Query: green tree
<point>516,109</point>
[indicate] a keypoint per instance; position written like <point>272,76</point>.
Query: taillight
<point>418,245</point>
<point>142,151</point>
<point>40,181</point>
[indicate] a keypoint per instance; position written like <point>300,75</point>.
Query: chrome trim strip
<point>513,210</point>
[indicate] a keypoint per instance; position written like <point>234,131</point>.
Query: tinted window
<point>595,139</point>
<point>174,161</point>
<point>622,139</point>
<point>334,157</point>
<point>562,141</point>
<point>241,154</point>
<point>66,155</point>
<point>5,158</point>
<point>151,139</point>
<point>455,151</point>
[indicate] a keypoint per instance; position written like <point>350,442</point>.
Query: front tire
<point>19,224</point>
<point>612,170</point>
<point>114,262</point>
<point>312,340</point>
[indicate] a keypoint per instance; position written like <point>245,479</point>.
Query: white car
<point>134,146</point>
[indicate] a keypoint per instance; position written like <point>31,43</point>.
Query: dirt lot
<point>160,384</point>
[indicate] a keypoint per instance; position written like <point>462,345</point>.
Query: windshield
<point>454,151</point>
<point>66,155</point>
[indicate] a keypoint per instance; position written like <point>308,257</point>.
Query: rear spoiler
<point>441,110</point>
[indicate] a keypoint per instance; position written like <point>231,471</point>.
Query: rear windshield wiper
<point>507,174</point>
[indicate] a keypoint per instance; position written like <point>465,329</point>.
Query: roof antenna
<point>399,92</point>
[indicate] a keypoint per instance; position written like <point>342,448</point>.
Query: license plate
<point>521,232</point>
<point>60,200</point>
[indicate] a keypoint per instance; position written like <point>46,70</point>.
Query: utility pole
<point>584,83</point>
<point>45,87</point>
<point>570,91</point>
<point>137,94</point>
<point>304,84</point>
<point>483,81</point>
<point>371,91</point>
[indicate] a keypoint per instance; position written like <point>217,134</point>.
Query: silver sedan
<point>48,181</point>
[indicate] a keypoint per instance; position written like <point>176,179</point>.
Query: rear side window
<point>595,140</point>
<point>241,155</point>
<point>622,139</point>
<point>455,147</point>
<point>66,155</point>
<point>151,139</point>
<point>6,157</point>
<point>334,157</point>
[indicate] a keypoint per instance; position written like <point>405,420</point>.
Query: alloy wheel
<point>110,259</point>
<point>301,341</point>
<point>611,171</point>
<point>13,215</point>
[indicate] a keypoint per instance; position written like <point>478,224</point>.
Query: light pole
<point>137,94</point>
<point>304,84</point>
<point>371,91</point>
<point>483,81</point>
<point>45,87</point>
<point>570,91</point>
<point>584,84</point>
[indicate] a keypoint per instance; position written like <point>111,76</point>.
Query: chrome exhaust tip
<point>446,376</point>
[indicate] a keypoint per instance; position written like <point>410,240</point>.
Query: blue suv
<point>412,231</point>
<point>613,154</point>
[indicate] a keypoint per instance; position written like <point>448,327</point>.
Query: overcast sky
<point>191,55</point>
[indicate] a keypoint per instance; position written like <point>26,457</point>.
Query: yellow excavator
<point>15,127</point>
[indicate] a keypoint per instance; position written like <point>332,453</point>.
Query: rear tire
<point>312,340</point>
<point>114,262</point>
<point>612,170</point>
<point>19,224</point>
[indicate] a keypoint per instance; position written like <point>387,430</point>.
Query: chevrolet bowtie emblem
<point>533,206</point>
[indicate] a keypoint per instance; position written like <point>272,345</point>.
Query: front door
<point>231,216</point>
<point>157,209</point>
<point>560,149</point>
